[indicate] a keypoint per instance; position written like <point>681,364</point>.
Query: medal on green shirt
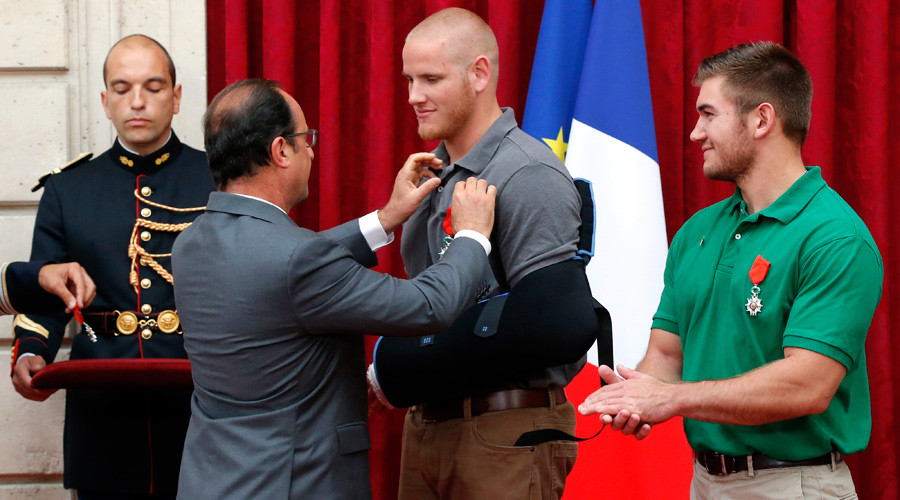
<point>757,274</point>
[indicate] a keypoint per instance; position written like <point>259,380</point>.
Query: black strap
<point>585,252</point>
<point>604,336</point>
<point>586,231</point>
<point>540,436</point>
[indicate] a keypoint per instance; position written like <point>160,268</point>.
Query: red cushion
<point>115,373</point>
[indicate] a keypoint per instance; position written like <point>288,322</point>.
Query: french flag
<point>589,101</point>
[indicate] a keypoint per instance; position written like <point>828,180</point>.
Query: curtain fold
<point>341,60</point>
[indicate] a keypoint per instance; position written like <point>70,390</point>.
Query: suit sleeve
<point>21,291</point>
<point>35,333</point>
<point>332,293</point>
<point>349,236</point>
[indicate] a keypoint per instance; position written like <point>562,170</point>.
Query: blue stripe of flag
<point>614,93</point>
<point>557,68</point>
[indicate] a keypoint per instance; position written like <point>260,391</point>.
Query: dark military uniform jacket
<point>118,216</point>
<point>21,292</point>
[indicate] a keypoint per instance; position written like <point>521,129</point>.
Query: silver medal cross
<point>754,303</point>
<point>90,332</point>
<point>445,244</point>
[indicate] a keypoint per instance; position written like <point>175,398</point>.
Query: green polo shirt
<point>819,294</point>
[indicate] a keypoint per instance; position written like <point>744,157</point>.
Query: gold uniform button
<point>145,235</point>
<point>127,323</point>
<point>168,321</point>
<point>146,212</point>
<point>146,309</point>
<point>145,283</point>
<point>146,334</point>
<point>144,261</point>
<point>146,191</point>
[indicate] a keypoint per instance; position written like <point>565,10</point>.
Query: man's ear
<point>480,73</point>
<point>763,120</point>
<point>105,100</point>
<point>278,152</point>
<point>176,96</point>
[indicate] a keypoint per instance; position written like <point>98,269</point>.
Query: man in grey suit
<point>279,405</point>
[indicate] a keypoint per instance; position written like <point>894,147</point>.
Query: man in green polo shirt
<point>759,338</point>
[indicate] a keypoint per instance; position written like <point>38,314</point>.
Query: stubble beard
<point>734,162</point>
<point>455,117</point>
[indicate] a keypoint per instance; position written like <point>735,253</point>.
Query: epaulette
<point>82,158</point>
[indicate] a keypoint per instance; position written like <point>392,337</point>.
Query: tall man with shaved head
<point>118,216</point>
<point>462,448</point>
<point>279,406</point>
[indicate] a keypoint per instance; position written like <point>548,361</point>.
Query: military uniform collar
<point>480,155</point>
<point>151,163</point>
<point>790,203</point>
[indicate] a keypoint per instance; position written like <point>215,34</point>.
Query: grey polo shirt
<point>536,222</point>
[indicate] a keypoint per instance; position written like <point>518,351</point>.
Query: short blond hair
<point>466,34</point>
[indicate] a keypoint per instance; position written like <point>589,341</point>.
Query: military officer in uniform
<point>118,215</point>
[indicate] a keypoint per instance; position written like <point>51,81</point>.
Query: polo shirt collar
<point>480,155</point>
<point>791,202</point>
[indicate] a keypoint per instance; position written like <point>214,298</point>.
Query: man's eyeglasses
<point>310,136</point>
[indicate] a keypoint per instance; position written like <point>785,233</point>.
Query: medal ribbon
<point>448,228</point>
<point>448,223</point>
<point>758,272</point>
<point>87,328</point>
<point>759,269</point>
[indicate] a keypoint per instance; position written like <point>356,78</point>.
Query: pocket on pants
<point>499,430</point>
<point>497,435</point>
<point>835,483</point>
<point>563,455</point>
<point>490,454</point>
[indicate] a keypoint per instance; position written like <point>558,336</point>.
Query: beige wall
<point>51,57</point>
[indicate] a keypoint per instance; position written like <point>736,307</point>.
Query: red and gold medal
<point>758,272</point>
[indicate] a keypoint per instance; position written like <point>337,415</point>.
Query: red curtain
<point>341,60</point>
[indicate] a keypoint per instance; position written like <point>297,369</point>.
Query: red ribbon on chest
<point>448,223</point>
<point>759,269</point>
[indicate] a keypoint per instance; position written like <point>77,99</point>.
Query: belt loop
<point>833,460</point>
<point>750,470</point>
<point>467,407</point>
<point>552,396</point>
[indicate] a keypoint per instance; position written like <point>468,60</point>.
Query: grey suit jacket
<point>279,403</point>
